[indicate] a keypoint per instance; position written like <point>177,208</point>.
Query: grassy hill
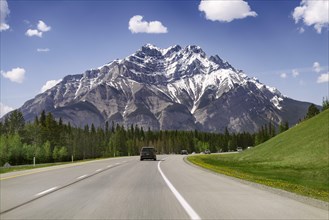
<point>296,160</point>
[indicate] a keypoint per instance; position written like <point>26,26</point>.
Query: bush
<point>60,154</point>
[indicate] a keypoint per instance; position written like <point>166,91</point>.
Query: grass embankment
<point>29,167</point>
<point>26,167</point>
<point>296,160</point>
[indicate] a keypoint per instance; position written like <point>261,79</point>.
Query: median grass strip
<point>28,167</point>
<point>296,160</point>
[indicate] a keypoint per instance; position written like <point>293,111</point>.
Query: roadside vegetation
<point>49,140</point>
<point>31,166</point>
<point>27,167</point>
<point>296,160</point>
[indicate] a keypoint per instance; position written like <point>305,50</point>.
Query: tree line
<point>49,140</point>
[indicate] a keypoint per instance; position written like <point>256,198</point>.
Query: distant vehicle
<point>207,151</point>
<point>148,153</point>
<point>184,152</point>
<point>239,149</point>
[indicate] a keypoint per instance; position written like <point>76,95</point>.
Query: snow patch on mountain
<point>276,102</point>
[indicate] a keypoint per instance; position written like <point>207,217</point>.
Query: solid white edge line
<point>46,191</point>
<point>98,170</point>
<point>80,177</point>
<point>193,215</point>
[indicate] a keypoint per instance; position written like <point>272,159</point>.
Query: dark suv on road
<point>184,152</point>
<point>148,153</point>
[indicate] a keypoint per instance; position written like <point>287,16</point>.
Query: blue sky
<point>281,42</point>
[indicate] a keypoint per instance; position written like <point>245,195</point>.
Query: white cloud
<point>15,75</point>
<point>313,13</point>
<point>283,75</point>
<point>226,11</point>
<point>4,12</point>
<point>316,67</point>
<point>33,32</point>
<point>295,73</point>
<point>4,26</point>
<point>323,78</point>
<point>49,84</point>
<point>137,25</point>
<point>43,50</point>
<point>43,27</point>
<point>27,22</point>
<point>301,30</point>
<point>4,109</point>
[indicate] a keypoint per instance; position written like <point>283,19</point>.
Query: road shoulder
<point>303,199</point>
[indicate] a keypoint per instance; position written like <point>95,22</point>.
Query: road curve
<point>126,188</point>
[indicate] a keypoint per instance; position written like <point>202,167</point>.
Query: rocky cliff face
<point>174,88</point>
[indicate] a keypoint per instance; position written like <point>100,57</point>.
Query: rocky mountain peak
<point>222,64</point>
<point>149,50</point>
<point>171,50</point>
<point>194,49</point>
<point>173,62</point>
<point>173,88</point>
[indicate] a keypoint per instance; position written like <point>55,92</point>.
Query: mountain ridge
<point>173,88</point>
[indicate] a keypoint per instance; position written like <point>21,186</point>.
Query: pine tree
<point>281,127</point>
<point>52,133</point>
<point>2,128</point>
<point>36,120</point>
<point>325,103</point>
<point>16,122</point>
<point>312,111</point>
<point>107,131</point>
<point>226,137</point>
<point>286,126</point>
<point>43,118</point>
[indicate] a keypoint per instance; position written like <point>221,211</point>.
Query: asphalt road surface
<point>126,188</point>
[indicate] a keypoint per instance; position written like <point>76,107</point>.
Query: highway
<point>126,188</point>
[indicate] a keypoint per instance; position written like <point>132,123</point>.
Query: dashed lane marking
<point>83,176</point>
<point>46,191</point>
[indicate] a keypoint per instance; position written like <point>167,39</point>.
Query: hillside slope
<point>305,145</point>
<point>296,160</point>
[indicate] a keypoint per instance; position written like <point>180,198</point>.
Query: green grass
<point>296,160</point>
<point>28,167</point>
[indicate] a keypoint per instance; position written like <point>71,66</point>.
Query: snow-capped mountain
<point>173,88</point>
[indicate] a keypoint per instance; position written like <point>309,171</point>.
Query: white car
<point>207,152</point>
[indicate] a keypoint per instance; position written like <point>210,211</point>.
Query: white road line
<point>80,177</point>
<point>117,163</point>
<point>46,191</point>
<point>193,215</point>
<point>109,166</point>
<point>98,170</point>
